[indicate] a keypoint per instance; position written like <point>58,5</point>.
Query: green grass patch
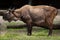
<point>37,34</point>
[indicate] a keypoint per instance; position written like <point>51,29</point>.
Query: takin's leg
<point>29,27</point>
<point>29,30</point>
<point>50,26</point>
<point>50,21</point>
<point>50,30</point>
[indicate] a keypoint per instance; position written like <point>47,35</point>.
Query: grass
<point>37,34</point>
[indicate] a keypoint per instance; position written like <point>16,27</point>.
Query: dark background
<point>5,4</point>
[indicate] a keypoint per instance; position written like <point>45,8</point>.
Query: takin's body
<point>36,15</point>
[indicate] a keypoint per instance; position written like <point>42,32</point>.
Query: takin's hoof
<point>49,34</point>
<point>29,34</point>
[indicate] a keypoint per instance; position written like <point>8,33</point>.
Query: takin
<point>41,15</point>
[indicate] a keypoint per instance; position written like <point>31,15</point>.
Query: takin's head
<point>15,14</point>
<point>9,16</point>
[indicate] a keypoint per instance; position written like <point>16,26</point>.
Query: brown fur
<point>36,15</point>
